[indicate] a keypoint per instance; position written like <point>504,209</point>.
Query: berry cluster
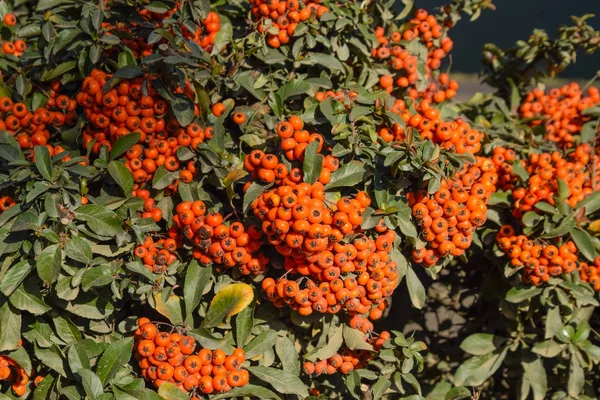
<point>589,273</point>
<point>456,136</point>
<point>216,241</point>
<point>538,260</point>
<point>560,111</point>
<point>503,159</point>
<point>171,357</point>
<point>284,16</point>
<point>425,29</point>
<point>15,47</point>
<point>347,360</point>
<point>157,255</point>
<point>12,372</point>
<point>449,218</point>
<point>31,128</point>
<point>579,170</point>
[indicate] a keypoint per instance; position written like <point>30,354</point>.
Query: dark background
<point>514,20</point>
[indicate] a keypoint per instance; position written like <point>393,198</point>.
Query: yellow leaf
<point>229,301</point>
<point>234,175</point>
<point>594,227</point>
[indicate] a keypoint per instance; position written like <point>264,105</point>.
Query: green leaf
<point>563,189</point>
<point>480,344</point>
<point>563,228</point>
<point>229,301</point>
<point>91,383</point>
<point>576,378</point>
<point>14,276</point>
<point>415,288</point>
<point>122,176</point>
<point>355,339</point>
<point>249,390</point>
<point>458,393</point>
<point>196,280</point>
<point>589,131</point>
<point>553,322</point>
<point>347,176</point>
<point>113,358</point>
<point>520,172</point>
<point>584,243</point>
<point>522,293</point>
<point>260,344</point>
<point>100,219</point>
<point>335,340</point>
<point>48,264</point>
<point>535,373</point>
<point>312,164</point>
<point>292,88</point>
<point>124,143</point>
<point>90,307</point>
<point>281,381</point>
<point>51,358</point>
<point>78,249</point>
<point>163,178</point>
<point>42,162</point>
<point>43,390</point>
<point>478,369</point>
<point>27,297</point>
<point>380,387</point>
<point>171,308</point>
<point>169,391</point>
<point>244,322</point>
<point>591,203</point>
<point>50,74</point>
<point>66,329</point>
<point>548,348</point>
<point>326,60</point>
<point>206,339</point>
<point>183,108</point>
<point>98,276</point>
<point>288,355</point>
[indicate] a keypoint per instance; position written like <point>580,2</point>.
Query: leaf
<point>206,339</point>
<point>260,344</point>
<point>355,339</point>
<point>563,189</point>
<point>98,276</point>
<point>255,190</point>
<point>535,373</point>
<point>66,329</point>
<point>253,391</point>
<point>281,381</point>
<point>91,383</point>
<point>27,297</point>
<point>478,369</point>
<point>589,131</point>
<point>288,355</point>
<point>48,264</point>
<point>576,378</point>
<point>553,323</point>
<point>522,293</point>
<point>50,74</point>
<point>347,176</point>
<point>325,60</point>
<point>520,172</point>
<point>380,387</point>
<point>480,344</point>
<point>183,108</point>
<point>584,244</point>
<point>51,358</point>
<point>563,228</point>
<point>169,391</point>
<point>415,288</point>
<point>100,219</point>
<point>124,143</point>
<point>196,279</point>
<point>163,178</point>
<point>244,322</point>
<point>122,176</point>
<point>170,309</point>
<point>78,249</point>
<point>42,162</point>
<point>14,276</point>
<point>591,203</point>
<point>458,393</point>
<point>90,307</point>
<point>21,357</point>
<point>229,301</point>
<point>312,164</point>
<point>113,358</point>
<point>548,348</point>
<point>333,344</point>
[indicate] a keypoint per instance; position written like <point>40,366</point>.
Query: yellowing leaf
<point>170,309</point>
<point>230,300</point>
<point>234,175</point>
<point>594,227</point>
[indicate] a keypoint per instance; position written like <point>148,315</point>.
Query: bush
<point>224,200</point>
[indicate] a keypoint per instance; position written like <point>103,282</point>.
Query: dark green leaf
<point>281,381</point>
<point>42,162</point>
<point>124,143</point>
<point>78,249</point>
<point>113,358</point>
<point>48,264</point>
<point>347,176</point>
<point>100,219</point>
<point>260,344</point>
<point>313,163</point>
<point>122,176</point>
<point>196,280</point>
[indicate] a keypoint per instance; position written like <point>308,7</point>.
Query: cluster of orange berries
<point>339,95</point>
<point>576,170</point>
<point>216,242</point>
<point>503,159</point>
<point>285,16</point>
<point>16,47</point>
<point>347,360</point>
<point>538,260</point>
<point>449,218</point>
<point>157,255</point>
<point>456,136</point>
<point>560,111</point>
<point>170,357</point>
<point>31,128</point>
<point>428,31</point>
<point>123,110</point>
<point>13,372</point>
<point>589,273</point>
<point>5,203</point>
